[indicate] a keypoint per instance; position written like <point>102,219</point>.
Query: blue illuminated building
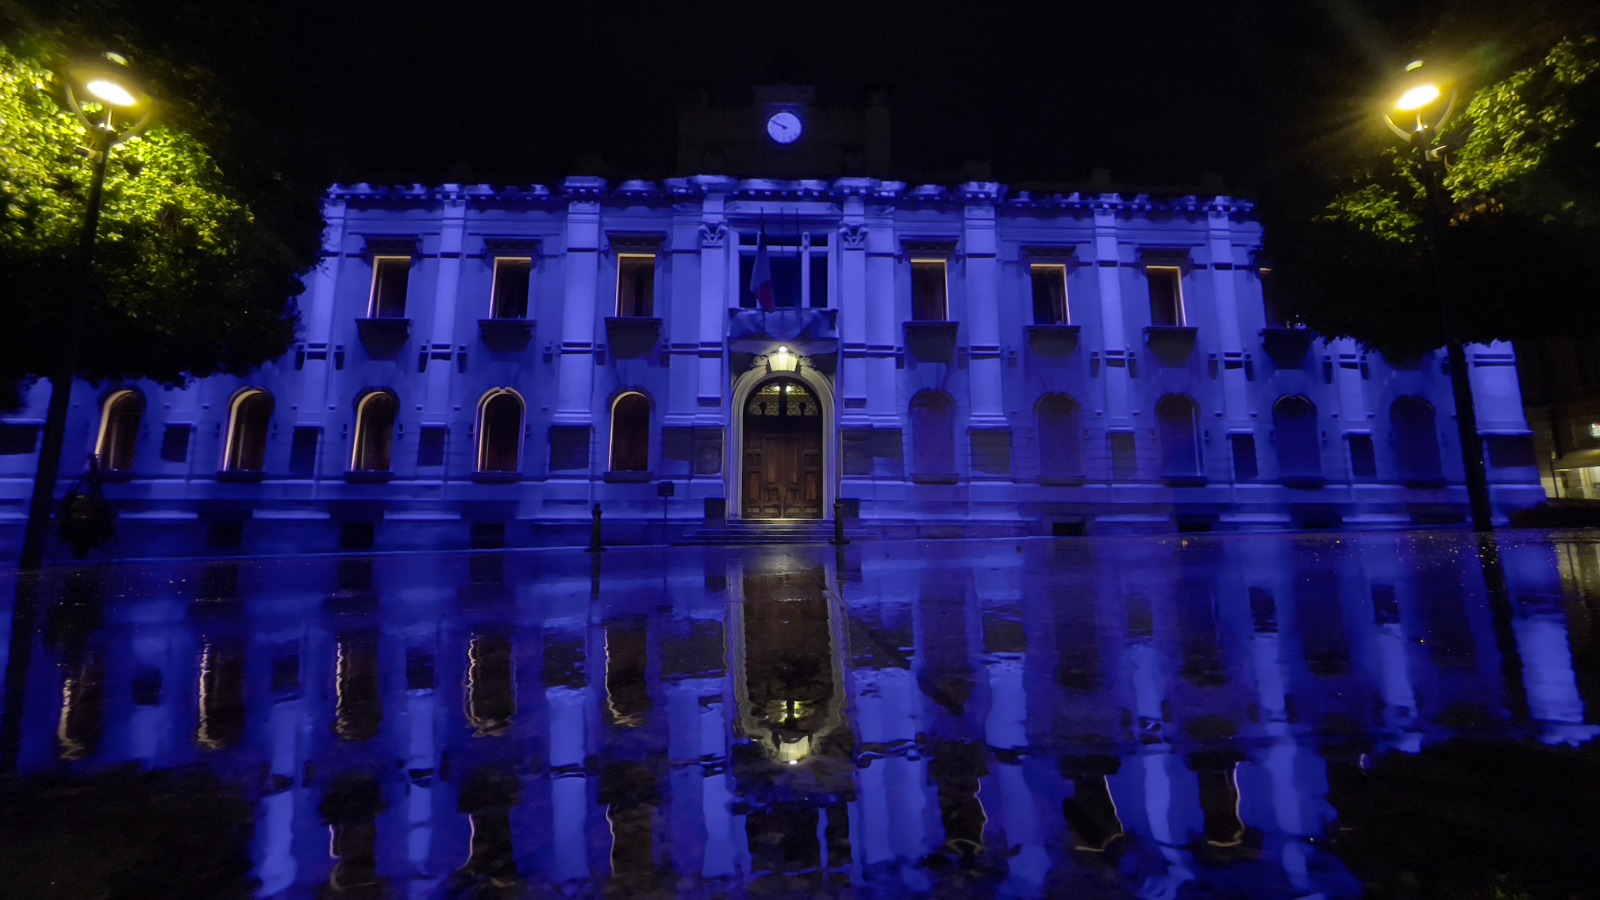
<point>480,366</point>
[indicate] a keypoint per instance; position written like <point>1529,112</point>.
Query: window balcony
<point>1053,340</point>
<point>1286,347</point>
<point>383,337</point>
<point>931,341</point>
<point>632,337</point>
<point>506,335</point>
<point>1173,345</point>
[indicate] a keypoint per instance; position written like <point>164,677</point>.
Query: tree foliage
<point>1519,252</point>
<point>204,233</point>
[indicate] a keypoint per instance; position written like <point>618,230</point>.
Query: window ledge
<point>631,337</point>
<point>628,477</point>
<point>506,335</point>
<point>496,477</point>
<point>1185,480</point>
<point>1061,480</point>
<point>931,341</point>
<point>1425,483</point>
<point>241,476</point>
<point>936,479</point>
<point>1053,340</point>
<point>1173,345</point>
<point>1303,481</point>
<point>368,476</point>
<point>383,338</point>
<point>115,476</point>
<point>1286,347</point>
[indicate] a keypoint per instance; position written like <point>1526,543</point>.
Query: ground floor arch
<point>782,447</point>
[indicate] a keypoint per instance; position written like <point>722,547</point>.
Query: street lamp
<point>1420,108</point>
<point>112,108</point>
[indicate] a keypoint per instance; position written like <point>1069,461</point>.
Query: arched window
<point>249,417</point>
<point>1178,427</point>
<point>933,434</point>
<point>374,444</point>
<point>119,430</point>
<point>1416,439</point>
<point>630,433</point>
<point>500,431</point>
<point>1060,436</point>
<point>1294,428</point>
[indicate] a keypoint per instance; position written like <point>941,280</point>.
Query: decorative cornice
<point>1050,253</point>
<point>583,187</point>
<point>929,247</point>
<point>853,235</point>
<point>634,241</point>
<point>375,245</point>
<point>511,246</point>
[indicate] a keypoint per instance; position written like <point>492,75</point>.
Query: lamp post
<point>112,108</point>
<point>1419,111</point>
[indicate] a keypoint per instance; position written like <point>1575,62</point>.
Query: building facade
<point>482,366</point>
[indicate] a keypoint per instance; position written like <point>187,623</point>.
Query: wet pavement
<point>1212,716</point>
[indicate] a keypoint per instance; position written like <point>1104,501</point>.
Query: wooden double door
<point>782,469</point>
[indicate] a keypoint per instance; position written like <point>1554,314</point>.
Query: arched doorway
<point>781,465</point>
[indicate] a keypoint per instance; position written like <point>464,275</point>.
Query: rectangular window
<point>1050,295</point>
<point>509,295</point>
<point>1363,462</point>
<point>175,443</point>
<point>1166,295</point>
<point>636,286</point>
<point>303,451</point>
<point>798,264</point>
<point>928,290</point>
<point>390,275</point>
<point>1244,457</point>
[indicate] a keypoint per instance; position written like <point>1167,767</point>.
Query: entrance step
<point>816,531</point>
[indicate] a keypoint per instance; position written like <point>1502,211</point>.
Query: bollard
<point>838,523</point>
<point>595,546</point>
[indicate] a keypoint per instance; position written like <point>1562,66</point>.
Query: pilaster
<point>438,354</point>
<point>1228,340</point>
<point>882,315</point>
<point>1115,352</point>
<point>985,376</point>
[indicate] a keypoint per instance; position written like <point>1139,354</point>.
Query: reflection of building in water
<point>490,688</point>
<point>757,717</point>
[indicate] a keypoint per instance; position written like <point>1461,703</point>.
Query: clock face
<point>784,127</point>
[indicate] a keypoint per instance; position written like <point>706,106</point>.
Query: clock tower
<point>783,131</point>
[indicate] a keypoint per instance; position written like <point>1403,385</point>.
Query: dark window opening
<point>303,451</point>
<point>1294,424</point>
<point>1178,424</point>
<point>390,277</point>
<point>225,534</point>
<point>1166,295</point>
<point>933,434</point>
<point>928,291</point>
<point>357,535</point>
<point>17,440</point>
<point>119,431</point>
<point>175,443</point>
<point>1124,456</point>
<point>1245,467</point>
<point>1363,461</point>
<point>431,441</point>
<point>1060,436</point>
<point>248,425</point>
<point>1416,439</point>
<point>630,434</point>
<point>375,420</point>
<point>512,279</point>
<point>1050,295</point>
<point>500,433</point>
<point>636,286</point>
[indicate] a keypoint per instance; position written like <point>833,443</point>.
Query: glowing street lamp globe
<point>1418,97</point>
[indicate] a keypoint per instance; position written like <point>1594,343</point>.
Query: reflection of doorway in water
<point>781,463</point>
<point>789,678</point>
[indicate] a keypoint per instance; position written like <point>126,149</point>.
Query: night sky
<point>1157,92</point>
